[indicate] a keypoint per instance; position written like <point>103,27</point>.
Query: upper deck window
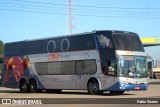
<point>51,45</point>
<point>104,40</point>
<point>127,41</point>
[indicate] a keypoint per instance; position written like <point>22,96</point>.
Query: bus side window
<point>79,67</point>
<point>86,67</point>
<point>67,68</point>
<point>90,67</point>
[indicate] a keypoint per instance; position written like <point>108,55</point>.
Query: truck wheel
<point>93,88</point>
<point>32,86</point>
<point>23,87</point>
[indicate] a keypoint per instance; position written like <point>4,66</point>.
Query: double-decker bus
<point>97,61</point>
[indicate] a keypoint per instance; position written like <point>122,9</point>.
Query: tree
<point>1,49</point>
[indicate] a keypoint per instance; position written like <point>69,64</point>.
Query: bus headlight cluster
<point>146,84</point>
<point>123,86</point>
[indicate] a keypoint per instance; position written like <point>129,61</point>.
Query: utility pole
<point>70,17</point>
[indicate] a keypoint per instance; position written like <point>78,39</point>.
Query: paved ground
<point>152,92</point>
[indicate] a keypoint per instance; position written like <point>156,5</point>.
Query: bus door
<point>109,69</point>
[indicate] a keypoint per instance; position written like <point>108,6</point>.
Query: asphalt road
<point>79,98</point>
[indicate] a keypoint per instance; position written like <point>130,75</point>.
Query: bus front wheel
<point>33,86</point>
<point>23,86</point>
<point>93,88</point>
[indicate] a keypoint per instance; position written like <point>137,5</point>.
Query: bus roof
<point>94,31</point>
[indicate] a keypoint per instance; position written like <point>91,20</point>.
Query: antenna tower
<point>70,14</point>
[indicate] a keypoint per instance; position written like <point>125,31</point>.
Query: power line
<point>89,11</point>
<point>49,3</point>
<point>76,14</point>
<point>80,10</point>
<point>19,6</point>
<point>35,6</point>
<point>31,11</point>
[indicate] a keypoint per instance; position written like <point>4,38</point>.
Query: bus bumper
<point>127,87</point>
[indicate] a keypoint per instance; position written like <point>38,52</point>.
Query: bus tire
<point>116,92</point>
<point>93,88</point>
<point>23,86</point>
<point>32,86</point>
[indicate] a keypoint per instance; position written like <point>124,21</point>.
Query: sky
<point>31,19</point>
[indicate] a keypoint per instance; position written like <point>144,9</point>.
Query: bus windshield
<point>127,41</point>
<point>134,66</point>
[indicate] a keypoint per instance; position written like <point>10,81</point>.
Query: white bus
<point>96,61</point>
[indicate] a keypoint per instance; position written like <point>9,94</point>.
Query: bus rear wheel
<point>23,87</point>
<point>33,86</point>
<point>93,88</point>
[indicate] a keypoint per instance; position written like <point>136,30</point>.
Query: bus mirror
<point>154,63</point>
<point>121,63</point>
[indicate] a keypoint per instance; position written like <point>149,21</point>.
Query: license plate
<point>136,88</point>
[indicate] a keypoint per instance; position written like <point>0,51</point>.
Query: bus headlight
<point>123,85</point>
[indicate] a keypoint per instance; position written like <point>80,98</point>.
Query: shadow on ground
<point>64,92</point>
